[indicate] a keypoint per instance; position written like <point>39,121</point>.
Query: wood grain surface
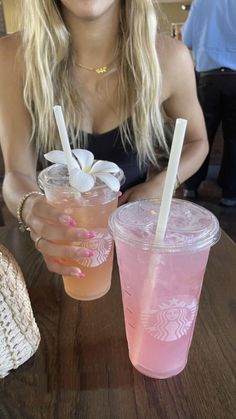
<point>82,370</point>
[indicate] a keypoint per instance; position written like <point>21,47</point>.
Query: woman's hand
<point>152,188</point>
<point>49,225</point>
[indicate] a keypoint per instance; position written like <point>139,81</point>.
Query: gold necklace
<point>98,70</point>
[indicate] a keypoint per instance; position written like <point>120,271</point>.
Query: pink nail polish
<point>119,194</point>
<point>90,252</point>
<point>66,219</point>
<point>80,253</point>
<point>77,272</point>
<point>72,223</point>
<point>91,234</point>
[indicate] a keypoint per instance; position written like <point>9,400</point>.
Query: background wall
<point>171,12</point>
<point>11,10</point>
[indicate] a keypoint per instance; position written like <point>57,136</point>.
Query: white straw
<point>64,137</point>
<point>171,175</point>
<point>150,279</point>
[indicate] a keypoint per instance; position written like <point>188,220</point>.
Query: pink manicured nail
<point>90,252</point>
<point>84,234</point>
<point>77,272</point>
<point>119,194</point>
<point>91,234</point>
<point>66,219</point>
<point>84,252</point>
<point>72,223</point>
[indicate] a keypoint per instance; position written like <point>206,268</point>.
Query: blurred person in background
<point>210,32</point>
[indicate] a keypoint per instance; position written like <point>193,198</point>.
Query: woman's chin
<point>88,9</point>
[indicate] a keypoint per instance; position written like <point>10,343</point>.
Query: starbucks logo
<point>101,246</point>
<point>171,319</point>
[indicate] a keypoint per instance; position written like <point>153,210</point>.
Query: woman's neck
<point>94,41</point>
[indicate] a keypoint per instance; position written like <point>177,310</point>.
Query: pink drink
<point>161,284</point>
<point>91,210</point>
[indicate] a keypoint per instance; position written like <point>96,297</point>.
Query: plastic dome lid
<point>190,227</point>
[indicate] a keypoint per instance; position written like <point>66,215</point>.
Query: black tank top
<point>108,146</point>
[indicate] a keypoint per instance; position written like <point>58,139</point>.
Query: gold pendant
<point>101,70</point>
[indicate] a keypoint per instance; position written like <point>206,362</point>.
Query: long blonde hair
<point>49,76</point>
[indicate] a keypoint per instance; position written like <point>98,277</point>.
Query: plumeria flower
<point>85,169</point>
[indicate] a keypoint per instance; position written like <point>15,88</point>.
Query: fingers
<point>55,235</point>
<point>70,251</point>
<point>55,266</point>
<point>129,196</point>
<point>57,232</point>
<point>124,198</point>
<point>41,208</point>
<point>52,252</point>
<point>145,190</point>
<point>54,225</point>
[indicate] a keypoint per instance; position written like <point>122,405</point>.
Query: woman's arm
<point>182,102</point>
<point>15,127</point>
<point>20,168</point>
<point>179,101</point>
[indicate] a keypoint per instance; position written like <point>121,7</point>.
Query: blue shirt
<point>210,31</point>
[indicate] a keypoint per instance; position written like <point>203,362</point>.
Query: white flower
<point>85,170</point>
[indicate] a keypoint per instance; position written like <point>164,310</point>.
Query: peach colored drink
<point>91,210</point>
<point>98,268</point>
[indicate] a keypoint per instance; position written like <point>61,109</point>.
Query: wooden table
<point>82,369</point>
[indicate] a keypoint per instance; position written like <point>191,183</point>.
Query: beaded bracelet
<point>21,223</point>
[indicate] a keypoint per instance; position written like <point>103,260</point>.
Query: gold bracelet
<point>21,223</point>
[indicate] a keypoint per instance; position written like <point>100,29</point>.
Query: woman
<point>106,64</point>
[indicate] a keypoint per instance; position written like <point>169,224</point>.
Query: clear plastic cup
<point>161,283</point>
<point>91,210</point>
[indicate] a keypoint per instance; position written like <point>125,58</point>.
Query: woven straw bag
<point>19,334</point>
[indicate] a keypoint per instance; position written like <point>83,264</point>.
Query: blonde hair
<point>49,76</point>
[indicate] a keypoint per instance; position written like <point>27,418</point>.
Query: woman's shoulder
<point>9,44</point>
<point>171,52</point>
<point>11,56</point>
<point>175,62</point>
